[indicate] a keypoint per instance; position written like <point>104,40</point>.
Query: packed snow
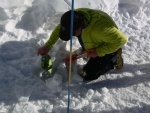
<point>27,24</point>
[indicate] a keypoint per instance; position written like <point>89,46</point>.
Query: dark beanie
<point>64,33</point>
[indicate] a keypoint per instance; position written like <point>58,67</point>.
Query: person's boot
<point>119,62</point>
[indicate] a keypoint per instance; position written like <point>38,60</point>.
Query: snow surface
<point>25,25</point>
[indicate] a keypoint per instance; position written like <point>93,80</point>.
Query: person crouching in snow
<point>97,32</point>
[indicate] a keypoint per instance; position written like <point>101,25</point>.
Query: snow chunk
<point>104,90</point>
<point>10,25</point>
<point>90,93</point>
<point>54,84</point>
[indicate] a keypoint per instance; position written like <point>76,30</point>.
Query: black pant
<point>98,66</point>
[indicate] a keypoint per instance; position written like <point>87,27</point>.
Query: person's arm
<point>53,38</point>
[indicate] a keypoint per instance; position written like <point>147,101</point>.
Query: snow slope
<point>27,24</point>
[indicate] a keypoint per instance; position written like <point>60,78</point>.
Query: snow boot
<point>119,61</point>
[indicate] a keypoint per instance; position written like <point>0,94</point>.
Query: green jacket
<point>100,32</point>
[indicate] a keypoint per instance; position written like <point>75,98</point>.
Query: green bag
<point>46,63</point>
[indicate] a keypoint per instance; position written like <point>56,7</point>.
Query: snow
<point>26,25</point>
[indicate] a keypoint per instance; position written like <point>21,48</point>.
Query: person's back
<point>100,32</point>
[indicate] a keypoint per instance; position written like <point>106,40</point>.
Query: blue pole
<point>68,110</point>
<point>71,34</point>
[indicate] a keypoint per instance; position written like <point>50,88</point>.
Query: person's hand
<point>92,53</point>
<point>43,50</point>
